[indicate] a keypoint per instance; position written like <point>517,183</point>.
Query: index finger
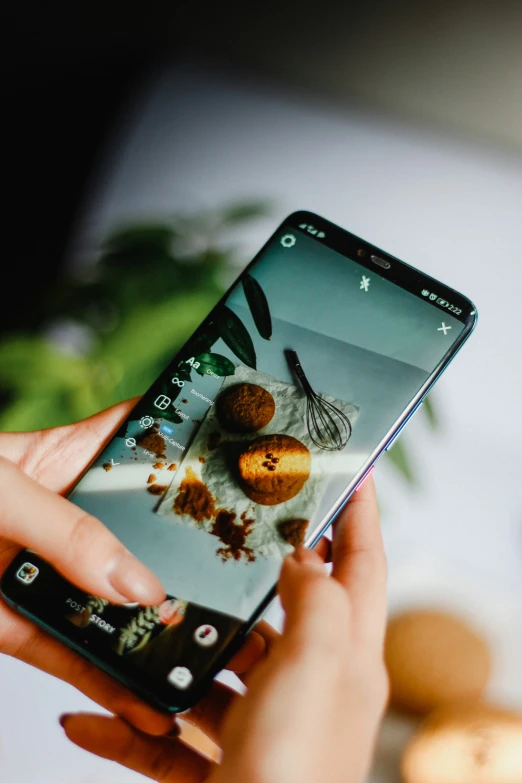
<point>359,561</point>
<point>77,544</point>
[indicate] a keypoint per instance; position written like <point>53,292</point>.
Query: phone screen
<point>242,449</point>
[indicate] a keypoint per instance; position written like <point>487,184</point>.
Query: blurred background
<point>149,153</point>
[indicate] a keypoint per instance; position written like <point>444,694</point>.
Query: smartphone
<point>248,444</point>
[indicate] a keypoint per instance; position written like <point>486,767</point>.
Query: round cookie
<point>275,465</point>
<point>466,743</point>
<point>434,658</point>
<point>245,407</point>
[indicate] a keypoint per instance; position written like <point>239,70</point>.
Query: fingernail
<point>63,719</point>
<point>309,558</point>
<point>135,581</point>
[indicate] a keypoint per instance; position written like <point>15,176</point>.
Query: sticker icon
<point>27,573</point>
<point>180,677</point>
<point>205,635</point>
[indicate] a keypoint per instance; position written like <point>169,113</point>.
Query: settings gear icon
<point>288,240</point>
<point>146,422</point>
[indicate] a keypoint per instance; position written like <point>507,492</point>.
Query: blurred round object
<point>434,658</point>
<point>466,743</point>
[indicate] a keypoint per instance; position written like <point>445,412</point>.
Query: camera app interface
<point>241,448</point>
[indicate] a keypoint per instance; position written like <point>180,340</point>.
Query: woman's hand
<point>315,699</point>
<point>35,469</point>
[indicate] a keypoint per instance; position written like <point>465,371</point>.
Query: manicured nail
<point>308,558</point>
<point>135,581</point>
<point>63,719</point>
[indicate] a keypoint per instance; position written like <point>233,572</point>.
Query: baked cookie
<point>245,407</point>
<point>434,658</point>
<point>466,743</point>
<point>274,468</point>
<point>271,498</point>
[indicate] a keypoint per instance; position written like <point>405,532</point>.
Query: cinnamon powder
<point>152,440</point>
<point>195,500</point>
<point>233,535</point>
<point>293,531</point>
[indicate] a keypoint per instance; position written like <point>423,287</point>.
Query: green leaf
<point>183,371</point>
<point>430,412</point>
<point>216,363</point>
<point>258,304</point>
<point>145,236</point>
<point>144,249</point>
<point>149,336</point>
<point>398,456</point>
<point>233,332</point>
<point>202,342</point>
<point>244,211</point>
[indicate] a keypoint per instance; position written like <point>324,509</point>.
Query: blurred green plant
<point>151,286</point>
<point>399,455</point>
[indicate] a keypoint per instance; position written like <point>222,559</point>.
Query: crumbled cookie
<point>157,489</point>
<point>293,531</point>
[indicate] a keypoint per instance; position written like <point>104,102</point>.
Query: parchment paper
<point>290,419</point>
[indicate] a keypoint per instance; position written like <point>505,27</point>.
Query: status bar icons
<point>312,230</point>
<point>443,303</point>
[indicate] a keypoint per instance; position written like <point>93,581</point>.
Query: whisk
<point>329,428</point>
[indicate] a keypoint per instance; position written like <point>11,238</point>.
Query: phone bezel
<point>348,245</point>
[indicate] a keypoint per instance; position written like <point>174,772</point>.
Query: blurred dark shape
<point>68,71</point>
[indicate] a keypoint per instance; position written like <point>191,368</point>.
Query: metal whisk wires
<point>329,428</point>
